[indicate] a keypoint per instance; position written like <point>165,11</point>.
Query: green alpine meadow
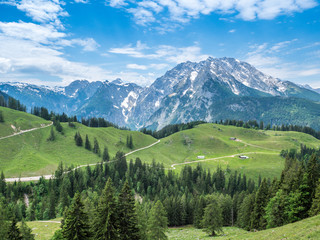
<point>159,119</point>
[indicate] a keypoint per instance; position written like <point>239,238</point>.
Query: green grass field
<point>213,141</point>
<point>44,230</point>
<point>20,120</point>
<point>30,154</point>
<point>306,229</point>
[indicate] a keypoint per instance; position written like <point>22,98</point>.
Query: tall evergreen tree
<point>3,185</point>
<point>96,148</point>
<point>106,225</point>
<point>13,231</point>
<point>76,225</point>
<point>87,143</point>
<point>52,136</point>
<point>26,232</point>
<point>127,216</point>
<point>105,155</point>
<point>315,207</point>
<point>1,117</point>
<point>59,127</point>
<point>262,196</point>
<point>78,139</point>
<point>158,222</point>
<point>212,219</point>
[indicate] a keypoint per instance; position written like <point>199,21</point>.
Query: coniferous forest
<point>117,199</point>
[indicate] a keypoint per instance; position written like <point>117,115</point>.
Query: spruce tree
<point>127,216</point>
<point>262,197</point>
<point>1,117</point>
<point>315,207</point>
<point>78,139</point>
<point>76,225</point>
<point>105,155</point>
<point>59,127</point>
<point>106,223</point>
<point>52,136</point>
<point>96,148</point>
<point>130,142</point>
<point>158,222</point>
<point>26,232</point>
<point>212,219</point>
<point>3,185</point>
<point>13,231</point>
<point>87,144</point>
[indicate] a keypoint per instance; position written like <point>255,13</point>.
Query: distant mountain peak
<point>118,81</point>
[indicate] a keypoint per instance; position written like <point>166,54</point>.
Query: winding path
<point>25,131</point>
<point>36,178</point>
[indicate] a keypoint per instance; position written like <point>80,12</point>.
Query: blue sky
<point>56,42</point>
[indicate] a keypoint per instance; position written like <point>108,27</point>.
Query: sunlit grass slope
<point>30,154</point>
<point>20,120</point>
<point>213,141</point>
<point>306,229</point>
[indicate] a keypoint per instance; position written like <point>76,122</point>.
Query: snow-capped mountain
<point>190,91</point>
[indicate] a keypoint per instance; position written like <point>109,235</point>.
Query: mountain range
<point>210,90</point>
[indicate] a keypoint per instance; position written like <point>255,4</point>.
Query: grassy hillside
<point>20,121</point>
<point>213,141</point>
<point>30,154</point>
<point>306,229</point>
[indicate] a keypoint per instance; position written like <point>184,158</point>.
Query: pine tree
<point>87,144</point>
<point>4,224</point>
<point>257,218</point>
<point>14,232</point>
<point>212,219</point>
<point>199,211</point>
<point>3,185</point>
<point>78,139</point>
<point>158,222</point>
<point>59,127</point>
<point>1,117</point>
<point>127,216</point>
<point>76,225</point>
<point>26,232</point>
<point>130,142</point>
<point>245,211</point>
<point>105,156</point>
<point>96,148</point>
<point>315,208</point>
<point>142,216</point>
<point>52,136</point>
<point>106,224</point>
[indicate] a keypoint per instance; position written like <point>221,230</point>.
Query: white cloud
<point>82,1</point>
<point>43,11</point>
<point>145,67</point>
<point>163,52</point>
<point>270,59</point>
<point>136,66</point>
<point>88,44</point>
<point>117,3</point>
<point>31,31</point>
<point>148,11</point>
<point>232,31</point>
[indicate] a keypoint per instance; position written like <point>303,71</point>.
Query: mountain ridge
<point>190,91</point>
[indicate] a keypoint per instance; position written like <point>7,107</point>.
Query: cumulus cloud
<point>147,11</point>
<point>43,11</point>
<point>163,52</point>
<point>31,31</point>
<point>269,59</point>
